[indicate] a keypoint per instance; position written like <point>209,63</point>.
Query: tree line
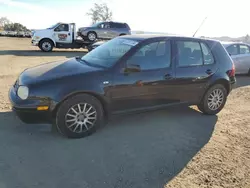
<point>7,25</point>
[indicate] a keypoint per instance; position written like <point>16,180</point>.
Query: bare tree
<point>100,12</point>
<point>4,21</point>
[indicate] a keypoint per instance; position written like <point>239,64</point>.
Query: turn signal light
<point>42,108</point>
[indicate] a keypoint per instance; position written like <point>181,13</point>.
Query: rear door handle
<point>69,34</point>
<point>209,71</point>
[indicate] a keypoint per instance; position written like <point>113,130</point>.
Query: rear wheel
<point>46,45</point>
<point>214,100</point>
<point>79,116</point>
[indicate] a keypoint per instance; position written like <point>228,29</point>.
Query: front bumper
<point>26,110</point>
<point>34,42</point>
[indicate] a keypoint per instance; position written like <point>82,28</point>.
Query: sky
<point>224,17</point>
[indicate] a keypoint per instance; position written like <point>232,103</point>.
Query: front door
<point>145,79</point>
<point>194,66</point>
<point>63,34</point>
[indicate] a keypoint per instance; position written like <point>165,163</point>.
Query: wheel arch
<point>103,102</point>
<point>92,32</point>
<point>47,39</point>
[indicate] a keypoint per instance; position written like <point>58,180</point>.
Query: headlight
<point>23,92</point>
<point>37,37</point>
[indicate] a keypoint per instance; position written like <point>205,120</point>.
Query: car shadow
<point>143,150</point>
<point>242,80</point>
<point>38,53</point>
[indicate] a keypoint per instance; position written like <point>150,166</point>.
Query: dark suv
<point>126,74</point>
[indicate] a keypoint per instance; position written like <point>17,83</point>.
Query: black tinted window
<point>232,49</point>
<point>244,49</point>
<point>189,53</point>
<point>118,25</point>
<point>152,56</point>
<point>62,27</point>
<point>207,54</point>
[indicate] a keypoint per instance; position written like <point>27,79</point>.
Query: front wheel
<point>46,45</point>
<point>92,36</point>
<point>79,116</point>
<point>214,100</point>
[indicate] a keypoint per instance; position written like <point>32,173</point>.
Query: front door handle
<point>168,76</point>
<point>209,71</point>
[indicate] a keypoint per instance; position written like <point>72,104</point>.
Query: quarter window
<point>152,56</point>
<point>207,54</point>
<point>244,49</point>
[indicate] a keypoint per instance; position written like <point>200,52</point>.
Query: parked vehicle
<point>20,34</point>
<point>104,30</point>
<point>11,33</point>
<point>95,45</point>
<point>240,53</point>
<point>60,35</point>
<point>125,74</point>
<point>3,33</point>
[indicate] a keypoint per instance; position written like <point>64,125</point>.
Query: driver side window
<point>156,55</point>
<point>62,27</point>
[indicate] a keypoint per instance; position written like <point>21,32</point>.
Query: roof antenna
<point>200,26</point>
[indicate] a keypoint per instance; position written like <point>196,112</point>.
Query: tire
<point>46,45</point>
<point>215,90</point>
<point>79,126</point>
<point>91,36</point>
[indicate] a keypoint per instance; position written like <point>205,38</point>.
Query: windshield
<point>53,26</point>
<point>108,53</point>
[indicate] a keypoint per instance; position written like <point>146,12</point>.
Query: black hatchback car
<point>125,74</point>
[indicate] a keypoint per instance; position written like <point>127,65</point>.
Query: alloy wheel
<point>215,99</point>
<point>81,117</point>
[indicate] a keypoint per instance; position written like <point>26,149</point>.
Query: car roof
<point>228,43</point>
<point>141,37</point>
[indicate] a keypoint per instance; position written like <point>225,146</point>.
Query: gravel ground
<point>148,150</point>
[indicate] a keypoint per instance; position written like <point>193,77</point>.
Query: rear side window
<point>244,49</point>
<point>193,54</point>
<point>190,53</point>
<point>232,49</point>
<point>118,25</point>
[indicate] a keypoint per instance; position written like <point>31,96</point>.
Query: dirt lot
<point>176,147</point>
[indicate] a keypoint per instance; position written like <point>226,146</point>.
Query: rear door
<point>63,33</point>
<point>194,66</point>
<point>243,64</point>
<point>115,29</point>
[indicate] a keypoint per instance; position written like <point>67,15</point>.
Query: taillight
<point>231,73</point>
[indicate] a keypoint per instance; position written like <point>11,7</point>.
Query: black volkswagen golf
<point>125,74</point>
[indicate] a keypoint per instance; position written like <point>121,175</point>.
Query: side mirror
<point>132,68</point>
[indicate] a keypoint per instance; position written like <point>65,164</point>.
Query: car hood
<point>54,70</point>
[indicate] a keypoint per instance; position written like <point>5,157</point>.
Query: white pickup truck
<point>60,35</point>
